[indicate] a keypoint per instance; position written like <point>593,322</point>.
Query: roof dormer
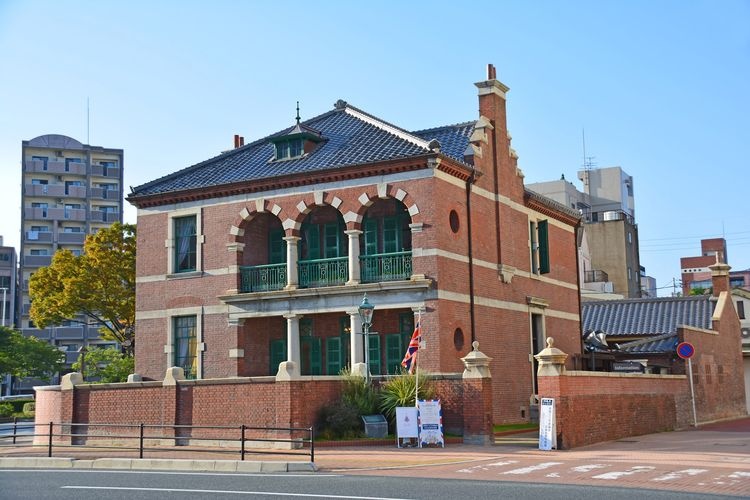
<point>296,143</point>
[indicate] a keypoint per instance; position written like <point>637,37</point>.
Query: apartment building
<point>69,190</point>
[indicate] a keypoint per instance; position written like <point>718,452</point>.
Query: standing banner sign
<point>547,425</point>
<point>407,424</point>
<point>430,423</point>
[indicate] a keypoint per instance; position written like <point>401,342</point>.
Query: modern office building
<point>69,190</point>
<point>609,260</point>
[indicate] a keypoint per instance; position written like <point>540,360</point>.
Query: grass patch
<point>514,427</point>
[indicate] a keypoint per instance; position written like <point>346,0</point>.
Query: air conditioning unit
<point>745,334</point>
<point>59,154</point>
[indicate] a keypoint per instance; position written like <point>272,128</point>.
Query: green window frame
<point>333,355</point>
<point>186,344</point>
<point>391,234</point>
<point>312,241</point>
<point>277,355</point>
<point>543,236</point>
<point>332,240</point>
<point>375,364</point>
<point>394,352</point>
<point>276,246</point>
<point>310,355</point>
<point>185,244</point>
<point>370,236</point>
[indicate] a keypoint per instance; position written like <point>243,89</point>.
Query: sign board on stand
<point>407,426</point>
<point>547,425</point>
<point>430,423</point>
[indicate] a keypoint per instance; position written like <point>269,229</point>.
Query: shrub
<point>357,393</point>
<point>339,420</point>
<point>399,391</point>
<point>29,409</point>
<point>6,409</point>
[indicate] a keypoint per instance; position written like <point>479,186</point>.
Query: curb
<point>160,464</point>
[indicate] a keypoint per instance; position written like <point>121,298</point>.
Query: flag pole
<point>416,360</point>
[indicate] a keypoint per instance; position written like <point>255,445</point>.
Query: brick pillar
<point>550,377</point>
<point>477,398</point>
<point>169,400</point>
<point>67,406</point>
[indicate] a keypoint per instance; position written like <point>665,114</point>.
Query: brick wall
<point>592,407</point>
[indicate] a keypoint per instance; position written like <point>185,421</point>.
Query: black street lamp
<point>365,314</point>
<point>82,351</point>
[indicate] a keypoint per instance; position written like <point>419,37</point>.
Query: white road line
<point>533,468</point>
<point>738,475</point>
<point>486,466</point>
<point>679,474</point>
<point>630,472</point>
<point>589,468</point>
<point>273,493</point>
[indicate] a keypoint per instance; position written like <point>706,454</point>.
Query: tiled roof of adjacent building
<point>655,345</point>
<point>350,137</point>
<point>657,316</point>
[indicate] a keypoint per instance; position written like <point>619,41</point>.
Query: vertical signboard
<point>547,425</point>
<point>430,423</point>
<point>407,424</point>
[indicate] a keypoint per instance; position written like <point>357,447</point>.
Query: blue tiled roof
<point>657,316</point>
<point>351,137</point>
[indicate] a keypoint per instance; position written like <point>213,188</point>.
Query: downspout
<point>579,229</point>
<point>496,181</point>
<point>469,182</point>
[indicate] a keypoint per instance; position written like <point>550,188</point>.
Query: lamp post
<point>365,314</point>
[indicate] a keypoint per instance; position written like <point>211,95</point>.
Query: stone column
<point>290,369</point>
<point>356,343</point>
<point>292,278</point>
<point>355,275</point>
<point>477,398</point>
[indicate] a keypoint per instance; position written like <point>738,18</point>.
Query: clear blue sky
<point>662,89</point>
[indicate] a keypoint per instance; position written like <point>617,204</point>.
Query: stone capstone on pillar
<point>134,377</point>
<point>288,370</point>
<point>173,375</point>
<point>71,380</point>
<point>551,360</point>
<point>476,363</point>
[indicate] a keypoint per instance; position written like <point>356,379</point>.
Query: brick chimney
<point>719,277</point>
<point>492,141</point>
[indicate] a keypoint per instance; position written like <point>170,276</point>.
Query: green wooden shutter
<point>375,368</point>
<point>276,246</point>
<point>391,235</point>
<point>312,239</point>
<point>371,236</point>
<point>331,240</point>
<point>278,355</point>
<point>315,356</point>
<point>394,352</point>
<point>543,232</point>
<point>333,355</point>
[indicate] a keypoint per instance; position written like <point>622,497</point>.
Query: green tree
<point>108,365</point>
<point>98,284</point>
<point>22,356</point>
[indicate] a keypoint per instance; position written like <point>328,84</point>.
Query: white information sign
<point>547,425</point>
<point>407,424</point>
<point>430,423</point>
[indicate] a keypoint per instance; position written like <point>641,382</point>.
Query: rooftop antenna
<point>297,112</point>
<point>588,162</point>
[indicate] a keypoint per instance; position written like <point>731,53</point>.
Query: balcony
<point>37,260</point>
<point>69,333</point>
<point>71,238</point>
<point>386,267</point>
<point>595,276</point>
<point>41,334</point>
<point>98,215</point>
<point>102,171</point>
<point>37,213</point>
<point>71,357</point>
<point>262,278</point>
<point>38,236</point>
<point>44,190</point>
<point>323,272</point>
<point>105,194</point>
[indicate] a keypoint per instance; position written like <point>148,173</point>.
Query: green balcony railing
<point>323,272</point>
<point>262,278</point>
<point>385,267</point>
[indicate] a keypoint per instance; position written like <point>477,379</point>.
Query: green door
<point>278,355</point>
<point>394,352</point>
<point>333,356</point>
<point>310,356</point>
<point>375,367</point>
<point>276,247</point>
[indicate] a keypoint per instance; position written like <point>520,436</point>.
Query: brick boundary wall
<point>254,402</point>
<point>592,407</point>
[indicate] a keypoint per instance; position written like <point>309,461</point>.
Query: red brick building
<point>253,263</point>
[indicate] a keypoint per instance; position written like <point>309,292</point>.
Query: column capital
<point>291,316</point>
<point>353,232</point>
<point>291,238</point>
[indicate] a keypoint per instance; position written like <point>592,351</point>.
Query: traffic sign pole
<point>685,350</point>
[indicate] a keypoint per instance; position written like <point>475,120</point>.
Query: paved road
<point>128,485</point>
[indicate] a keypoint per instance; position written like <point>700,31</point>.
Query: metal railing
<point>323,272</point>
<point>262,278</point>
<point>595,276</point>
<point>151,437</point>
<point>386,267</point>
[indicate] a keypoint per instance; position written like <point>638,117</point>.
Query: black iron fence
<point>142,438</point>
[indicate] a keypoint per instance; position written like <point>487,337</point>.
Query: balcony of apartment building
<point>104,216</point>
<point>597,280</point>
<point>62,190</point>
<point>326,254</point>
<point>38,236</point>
<point>607,215</point>
<point>41,211</point>
<point>55,165</point>
<point>101,193</point>
<point>103,168</point>
<point>35,260</point>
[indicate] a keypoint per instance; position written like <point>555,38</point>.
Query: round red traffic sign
<point>685,350</point>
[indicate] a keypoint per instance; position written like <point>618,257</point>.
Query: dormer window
<point>288,149</point>
<point>296,143</point>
